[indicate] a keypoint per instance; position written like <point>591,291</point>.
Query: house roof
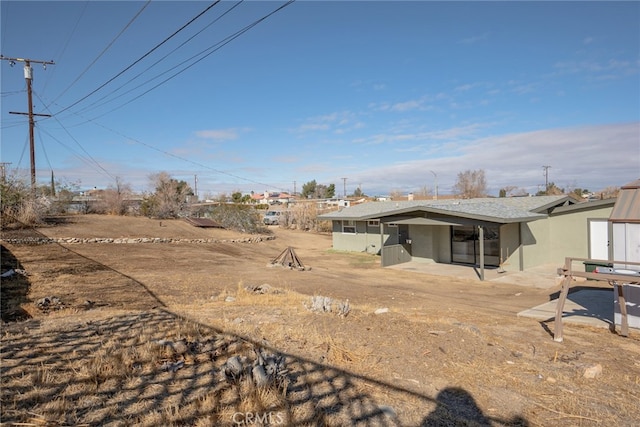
<point>500,210</point>
<point>627,207</point>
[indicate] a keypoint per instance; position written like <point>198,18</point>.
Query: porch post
<point>381,244</point>
<point>481,237</point>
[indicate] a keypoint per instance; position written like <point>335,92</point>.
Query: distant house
<point>270,198</point>
<point>518,232</point>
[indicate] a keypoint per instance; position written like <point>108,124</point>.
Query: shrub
<point>19,204</point>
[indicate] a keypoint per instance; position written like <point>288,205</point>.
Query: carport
<point>402,251</point>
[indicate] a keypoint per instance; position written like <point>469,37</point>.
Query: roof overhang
<point>419,221</point>
<point>627,206</point>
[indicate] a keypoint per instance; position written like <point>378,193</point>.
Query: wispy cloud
<point>451,134</point>
<point>337,122</point>
<point>220,134</point>
<point>474,39</point>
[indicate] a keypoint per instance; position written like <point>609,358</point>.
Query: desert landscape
<point>122,321</point>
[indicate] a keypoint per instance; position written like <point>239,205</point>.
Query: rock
<point>381,310</point>
<point>593,371</point>
<point>233,367</point>
<point>260,377</point>
<point>180,347</point>
<point>229,299</point>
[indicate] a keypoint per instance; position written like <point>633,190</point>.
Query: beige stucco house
<point>515,233</point>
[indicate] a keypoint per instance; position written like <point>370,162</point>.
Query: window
<point>373,223</point>
<point>349,227</point>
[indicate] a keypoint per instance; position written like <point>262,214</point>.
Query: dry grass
<point>447,360</point>
<point>114,372</point>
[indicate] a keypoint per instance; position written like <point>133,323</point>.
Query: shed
<point>625,224</point>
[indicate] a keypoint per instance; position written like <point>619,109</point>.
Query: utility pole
<point>28,75</point>
<point>344,186</point>
<point>3,170</point>
<point>195,188</point>
<point>294,189</point>
<point>546,178</point>
<point>435,177</point>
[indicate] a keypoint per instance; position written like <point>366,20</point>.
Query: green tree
<point>358,193</point>
<point>331,191</point>
<point>309,189</point>
<point>236,196</point>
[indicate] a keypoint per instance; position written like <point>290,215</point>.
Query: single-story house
<point>514,233</point>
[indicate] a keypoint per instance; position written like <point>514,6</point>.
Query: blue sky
<point>392,96</point>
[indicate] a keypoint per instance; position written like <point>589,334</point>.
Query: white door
<point>599,239</point>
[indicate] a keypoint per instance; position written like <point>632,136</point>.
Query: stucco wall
<point>366,238</point>
<point>535,243</point>
<point>570,233</point>
<point>510,247</point>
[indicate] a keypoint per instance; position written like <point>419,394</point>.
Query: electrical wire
<point>88,107</point>
<point>91,163</point>
<point>212,49</point>
<point>142,57</point>
<point>104,50</point>
<point>95,162</point>
<point>202,55</point>
<point>66,44</point>
<point>44,150</point>
<point>182,158</point>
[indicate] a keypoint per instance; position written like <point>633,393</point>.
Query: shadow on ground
<point>14,288</point>
<point>118,371</point>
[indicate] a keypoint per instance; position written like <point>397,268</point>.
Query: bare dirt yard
<point>167,324</point>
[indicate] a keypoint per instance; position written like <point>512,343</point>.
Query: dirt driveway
<point>446,351</point>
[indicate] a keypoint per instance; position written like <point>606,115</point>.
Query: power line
<point>66,44</point>
<point>104,50</point>
<point>214,48</point>
<point>142,57</point>
<point>78,144</point>
<point>88,107</point>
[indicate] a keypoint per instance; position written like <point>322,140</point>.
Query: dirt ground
<point>448,351</point>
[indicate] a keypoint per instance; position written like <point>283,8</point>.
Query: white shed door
<point>626,239</point>
<point>599,239</point>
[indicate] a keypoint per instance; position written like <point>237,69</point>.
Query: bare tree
<point>511,191</point>
<point>424,191</point>
<point>115,196</point>
<point>609,193</point>
<point>395,194</point>
<point>471,184</point>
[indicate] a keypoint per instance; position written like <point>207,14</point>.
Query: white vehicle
<point>271,218</point>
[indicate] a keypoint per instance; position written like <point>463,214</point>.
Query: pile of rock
<point>320,304</point>
<point>130,240</point>
<point>267,369</point>
<point>47,304</point>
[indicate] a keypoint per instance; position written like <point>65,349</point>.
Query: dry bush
<point>304,216</point>
<point>19,204</point>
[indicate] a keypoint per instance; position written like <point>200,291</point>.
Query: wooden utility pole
<point>28,76</point>
<point>3,170</point>
<point>546,178</point>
